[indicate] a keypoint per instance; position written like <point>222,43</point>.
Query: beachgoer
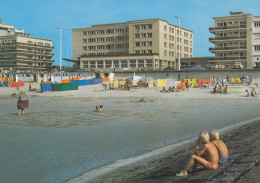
<point>20,106</point>
<point>208,150</point>
<point>253,93</point>
<point>99,108</point>
<point>179,77</point>
<point>220,145</point>
<point>247,93</point>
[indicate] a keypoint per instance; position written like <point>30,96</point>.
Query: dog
<point>22,92</point>
<point>13,95</point>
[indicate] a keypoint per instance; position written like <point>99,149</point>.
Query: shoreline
<point>140,166</point>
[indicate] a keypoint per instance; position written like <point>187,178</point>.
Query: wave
<point>87,176</point>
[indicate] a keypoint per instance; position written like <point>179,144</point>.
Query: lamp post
<point>179,59</point>
<point>61,29</point>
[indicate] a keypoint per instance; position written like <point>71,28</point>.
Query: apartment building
<point>19,52</point>
<point>237,40</point>
<point>152,44</point>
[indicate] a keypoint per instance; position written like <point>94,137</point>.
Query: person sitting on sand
<point>164,90</point>
<point>253,93</point>
<point>220,145</point>
<point>98,108</point>
<point>208,150</point>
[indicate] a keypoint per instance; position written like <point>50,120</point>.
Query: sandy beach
<point>61,132</point>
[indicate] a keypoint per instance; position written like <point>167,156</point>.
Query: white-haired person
<point>208,150</point>
<point>220,145</point>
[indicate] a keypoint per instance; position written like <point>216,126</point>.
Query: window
<point>150,35</point>
<point>149,26</point>
<point>165,28</point>
<point>84,40</point>
<point>123,63</point>
<point>149,51</point>
<point>137,51</point>
<point>137,35</point>
<point>165,44</point>
<point>143,43</point>
<point>137,27</point>
<point>137,44</point>
<point>143,35</point>
<point>257,47</point>
<point>149,43</point>
<point>165,36</point>
<point>257,24</point>
<point>143,26</point>
<point>165,53</point>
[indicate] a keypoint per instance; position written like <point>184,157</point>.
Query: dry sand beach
<point>60,137</point>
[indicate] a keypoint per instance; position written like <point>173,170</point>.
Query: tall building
<point>151,43</point>
<point>237,40</point>
<point>19,52</point>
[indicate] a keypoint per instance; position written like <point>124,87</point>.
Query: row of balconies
<point>228,48</point>
<point>226,38</point>
<point>228,58</point>
<point>27,60</point>
<point>27,45</point>
<point>227,27</point>
<point>27,52</point>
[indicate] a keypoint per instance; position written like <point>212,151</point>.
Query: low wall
<point>193,74</point>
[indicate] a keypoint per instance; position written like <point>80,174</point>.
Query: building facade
<point>140,44</point>
<point>237,40</point>
<point>19,52</point>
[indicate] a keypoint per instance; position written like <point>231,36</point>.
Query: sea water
<point>58,139</point>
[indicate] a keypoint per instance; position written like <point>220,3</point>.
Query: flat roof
<point>128,22</point>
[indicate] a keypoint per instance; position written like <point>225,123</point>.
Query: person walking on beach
<point>20,106</point>
<point>208,150</point>
<point>220,145</point>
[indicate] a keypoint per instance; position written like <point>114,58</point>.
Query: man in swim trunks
<point>208,150</point>
<point>220,145</point>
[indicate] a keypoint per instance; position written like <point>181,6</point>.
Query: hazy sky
<point>41,17</point>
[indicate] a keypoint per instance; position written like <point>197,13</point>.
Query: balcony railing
<point>227,48</point>
<point>27,44</point>
<point>227,27</point>
<point>27,52</point>
<point>26,60</point>
<point>227,58</point>
<point>226,38</point>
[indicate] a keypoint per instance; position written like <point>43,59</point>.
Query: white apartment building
<point>19,52</point>
<point>151,43</point>
<point>237,40</point>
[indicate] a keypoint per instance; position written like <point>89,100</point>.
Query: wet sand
<point>242,166</point>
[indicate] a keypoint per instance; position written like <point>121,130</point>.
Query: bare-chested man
<point>208,150</point>
<point>220,145</point>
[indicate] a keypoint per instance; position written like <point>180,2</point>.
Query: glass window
<point>123,63</point>
<point>100,64</point>
<point>116,63</point>
<point>108,64</point>
<point>140,63</point>
<point>132,63</point>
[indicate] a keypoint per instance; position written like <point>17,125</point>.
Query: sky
<point>41,17</point>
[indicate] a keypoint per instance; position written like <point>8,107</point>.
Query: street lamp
<point>179,59</point>
<point>61,29</point>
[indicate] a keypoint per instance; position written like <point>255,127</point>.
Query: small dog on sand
<point>13,95</point>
